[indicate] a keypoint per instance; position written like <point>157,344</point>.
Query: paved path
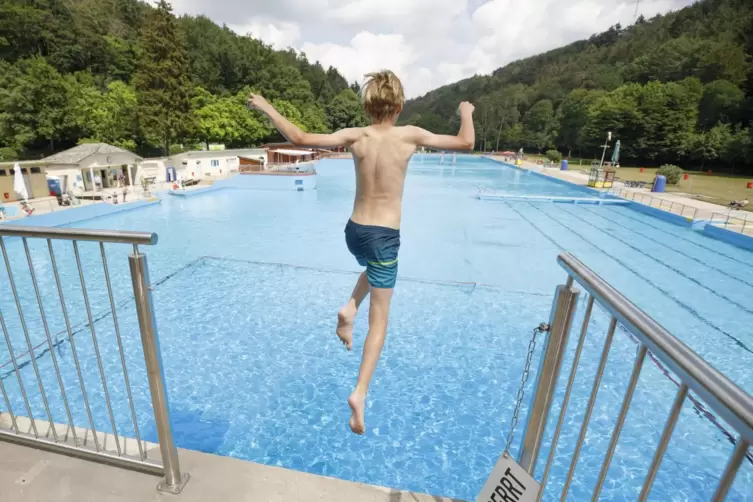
<point>35,476</point>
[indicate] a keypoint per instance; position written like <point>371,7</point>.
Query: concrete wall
<point>107,160</point>
<point>216,164</point>
<point>36,184</point>
<point>662,215</point>
<point>71,178</point>
<point>270,182</point>
<point>198,191</point>
<point>198,165</point>
<point>734,238</point>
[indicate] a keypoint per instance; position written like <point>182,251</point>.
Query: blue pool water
<point>247,284</point>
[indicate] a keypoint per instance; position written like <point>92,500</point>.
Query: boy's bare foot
<point>345,319</point>
<point>357,401</point>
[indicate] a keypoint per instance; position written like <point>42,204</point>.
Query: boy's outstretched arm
<point>343,137</point>
<point>464,140</point>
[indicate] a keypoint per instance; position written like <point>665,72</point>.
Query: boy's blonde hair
<point>383,95</point>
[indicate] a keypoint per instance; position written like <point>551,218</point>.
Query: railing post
<point>173,482</point>
<point>563,308</point>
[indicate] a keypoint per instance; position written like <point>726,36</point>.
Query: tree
<point>709,146</point>
<point>572,116</point>
<point>115,118</point>
<point>314,118</point>
<point>33,103</point>
<point>250,126</point>
<point>226,119</point>
<point>739,148</point>
<point>290,112</point>
<point>162,80</point>
<point>214,118</point>
<point>617,113</point>
<point>668,117</point>
<point>539,125</point>
<point>345,110</point>
<point>721,102</point>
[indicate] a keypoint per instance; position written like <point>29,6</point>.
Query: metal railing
<point>69,439</point>
<point>734,222</point>
<point>693,373</point>
<point>673,207</point>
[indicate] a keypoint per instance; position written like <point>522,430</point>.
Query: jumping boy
<point>381,153</point>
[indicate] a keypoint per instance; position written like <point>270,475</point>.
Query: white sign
<point>509,482</point>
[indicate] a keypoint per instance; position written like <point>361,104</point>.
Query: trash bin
<point>564,165</point>
<point>660,183</point>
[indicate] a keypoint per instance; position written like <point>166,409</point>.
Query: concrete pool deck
<point>28,474</point>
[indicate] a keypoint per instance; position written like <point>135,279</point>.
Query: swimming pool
<point>249,282</point>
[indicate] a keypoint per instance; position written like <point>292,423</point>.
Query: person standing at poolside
<point>381,153</point>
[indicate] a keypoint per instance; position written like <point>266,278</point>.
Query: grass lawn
<point>719,189</point>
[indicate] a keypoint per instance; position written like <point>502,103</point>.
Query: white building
<point>92,166</point>
<point>197,165</point>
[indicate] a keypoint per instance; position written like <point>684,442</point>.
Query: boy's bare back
<point>381,156</point>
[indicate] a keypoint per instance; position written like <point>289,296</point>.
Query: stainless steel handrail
<point>727,399</point>
<point>79,234</point>
<point>174,480</point>
<point>723,396</point>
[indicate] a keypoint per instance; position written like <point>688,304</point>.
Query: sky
<point>428,43</point>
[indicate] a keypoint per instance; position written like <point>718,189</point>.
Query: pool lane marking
<point>352,272</point>
<point>660,262</point>
<point>697,404</point>
<point>78,328</point>
<point>666,293</point>
<point>668,247</point>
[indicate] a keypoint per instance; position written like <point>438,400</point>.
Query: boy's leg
<point>379,311</point>
<point>347,315</point>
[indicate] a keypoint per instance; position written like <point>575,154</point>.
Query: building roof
<point>22,163</point>
<point>294,153</point>
<point>78,153</point>
<point>235,152</point>
<point>276,147</point>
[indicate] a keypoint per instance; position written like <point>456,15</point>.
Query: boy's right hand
<point>466,108</point>
<point>257,101</point>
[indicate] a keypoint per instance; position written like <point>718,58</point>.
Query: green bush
<point>7,153</point>
<point>554,156</point>
<point>672,172</point>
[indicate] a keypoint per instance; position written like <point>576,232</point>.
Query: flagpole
<point>604,153</point>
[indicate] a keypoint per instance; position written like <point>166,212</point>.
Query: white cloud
<point>279,35</point>
<point>428,43</point>
<point>368,52</point>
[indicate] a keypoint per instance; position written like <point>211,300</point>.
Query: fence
<point>741,222</point>
<point>667,205</point>
<point>694,374</point>
<point>69,439</point>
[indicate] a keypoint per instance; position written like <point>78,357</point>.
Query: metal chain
<point>541,328</point>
